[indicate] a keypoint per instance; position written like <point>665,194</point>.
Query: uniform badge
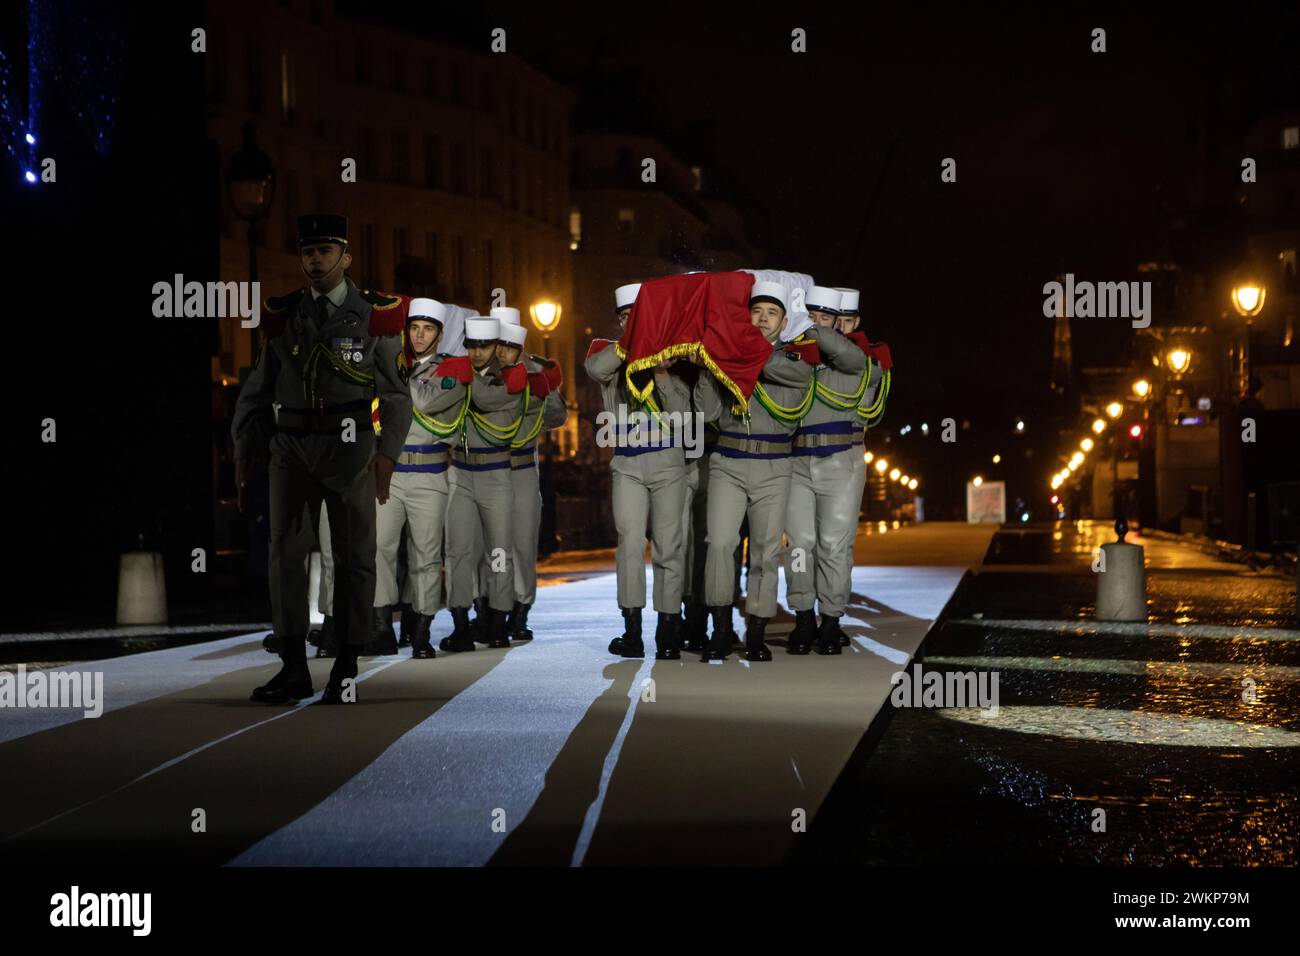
<point>294,350</point>
<point>448,382</point>
<point>347,349</point>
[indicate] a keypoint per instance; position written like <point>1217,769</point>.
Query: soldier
<point>749,471</point>
<point>546,410</point>
<point>418,498</point>
<point>822,514</point>
<point>479,505</point>
<point>649,484</point>
<point>330,350</point>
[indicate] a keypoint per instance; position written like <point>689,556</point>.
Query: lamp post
<point>250,187</point>
<point>1248,300</point>
<point>545,314</point>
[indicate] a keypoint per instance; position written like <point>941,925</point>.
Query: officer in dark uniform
<point>330,349</point>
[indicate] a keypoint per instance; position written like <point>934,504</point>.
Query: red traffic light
<point>1135,431</point>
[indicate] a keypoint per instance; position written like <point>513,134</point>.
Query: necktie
<point>322,311</point>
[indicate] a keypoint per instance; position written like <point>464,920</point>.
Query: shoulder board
<point>597,345</point>
<point>387,312</point>
<point>859,339</point>
<point>803,339</point>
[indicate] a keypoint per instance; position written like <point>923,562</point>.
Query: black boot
<point>828,635</point>
<point>478,626</point>
<point>344,669</point>
<point>666,647</point>
<point>497,636</point>
<point>271,643</point>
<point>844,638</point>
<point>801,638</point>
<point>697,628</point>
<point>755,648</point>
<point>408,626</point>
<point>383,641</point>
<point>719,646</point>
<point>293,682</point>
<point>421,643</point>
<point>329,642</point>
<point>460,639</point>
<point>630,643</point>
<point>519,629</point>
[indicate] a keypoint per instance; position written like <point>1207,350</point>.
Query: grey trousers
<point>478,528</point>
<point>761,489</point>
<point>650,488</point>
<point>821,523</point>
<point>418,500</point>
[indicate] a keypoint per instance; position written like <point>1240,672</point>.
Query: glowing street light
<point>906,479</point>
<point>1115,409</point>
<point>977,481</point>
<point>1248,299</point>
<point>912,484</point>
<point>1076,459</point>
<point>1086,444</point>
<point>1178,360</point>
<point>881,465</point>
<point>997,459</point>
<point>1099,425</point>
<point>867,457</point>
<point>1141,388</point>
<point>545,315</point>
<point>893,475</point>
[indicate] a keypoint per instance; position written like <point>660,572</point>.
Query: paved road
<point>547,753</point>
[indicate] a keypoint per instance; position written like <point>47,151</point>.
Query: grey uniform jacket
<point>671,394</point>
<point>786,379</point>
<point>831,424</point>
<point>321,377</point>
<point>542,414</point>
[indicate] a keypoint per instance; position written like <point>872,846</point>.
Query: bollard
<point>141,589</point>
<point>1122,587</point>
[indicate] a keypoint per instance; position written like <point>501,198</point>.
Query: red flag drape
<point>705,313</point>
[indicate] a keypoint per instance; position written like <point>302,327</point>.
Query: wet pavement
<point>1173,743</point>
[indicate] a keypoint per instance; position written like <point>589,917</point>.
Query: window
<point>288,86</point>
<point>487,179</point>
<point>431,254</point>
<point>458,266</point>
<point>364,71</point>
<point>626,221</point>
<point>433,162</point>
<point>401,156</point>
<point>289,209</point>
<point>254,77</point>
<point>575,227</point>
<point>369,257</point>
<point>1291,137</point>
<point>458,182</point>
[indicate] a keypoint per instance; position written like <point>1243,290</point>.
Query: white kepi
<point>625,295</point>
<point>822,299</point>
<point>430,309</point>
<point>513,334</point>
<point>506,315</point>
<point>481,329</point>
<point>848,301</point>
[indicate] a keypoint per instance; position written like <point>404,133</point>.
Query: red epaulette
<point>457,367</point>
<point>879,352</point>
<point>806,350</point>
<point>598,345</point>
<point>859,339</point>
<point>387,312</point>
<point>515,376</point>
<point>538,384</point>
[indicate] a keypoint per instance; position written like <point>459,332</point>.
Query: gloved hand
<point>383,467</point>
<point>554,376</point>
<point>808,351</point>
<point>538,384</point>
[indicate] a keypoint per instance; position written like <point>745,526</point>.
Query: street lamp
<point>1248,299</point>
<point>1178,360</point>
<point>1086,444</point>
<point>1115,409</point>
<point>913,484</point>
<point>977,481</point>
<point>893,474</point>
<point>1141,388</point>
<point>882,465</point>
<point>546,316</point>
<point>1099,425</point>
<point>250,187</point>
<point>867,457</point>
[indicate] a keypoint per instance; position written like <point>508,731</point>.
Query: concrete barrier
<point>141,589</point>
